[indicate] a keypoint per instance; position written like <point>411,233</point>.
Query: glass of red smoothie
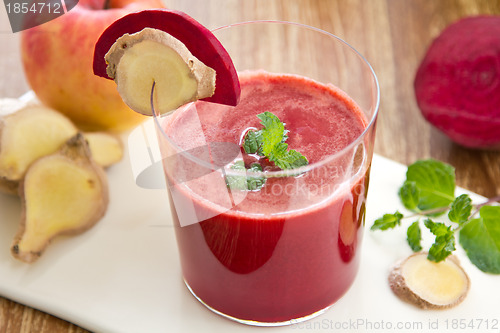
<point>287,251</point>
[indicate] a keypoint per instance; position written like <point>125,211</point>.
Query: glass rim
<point>308,167</point>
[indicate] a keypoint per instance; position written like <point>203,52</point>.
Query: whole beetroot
<point>457,85</point>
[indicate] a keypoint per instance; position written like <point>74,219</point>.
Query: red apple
<point>196,38</point>
<point>57,58</point>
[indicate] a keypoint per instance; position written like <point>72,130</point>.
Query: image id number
<point>473,324</point>
<point>34,8</point>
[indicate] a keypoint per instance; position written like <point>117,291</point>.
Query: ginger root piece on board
<point>64,193</point>
<point>429,285</point>
<point>107,148</point>
<point>29,131</point>
<point>28,134</point>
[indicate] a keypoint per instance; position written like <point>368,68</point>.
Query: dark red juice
<point>291,248</point>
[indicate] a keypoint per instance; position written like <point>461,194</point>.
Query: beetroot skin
<point>457,85</point>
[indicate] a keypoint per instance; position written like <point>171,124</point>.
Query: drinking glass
<point>289,251</point>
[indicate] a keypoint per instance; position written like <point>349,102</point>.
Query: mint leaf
<point>287,159</point>
<point>244,182</point>
<point>255,183</point>
<point>273,132</point>
<point>414,236</point>
<point>409,195</point>
<point>252,143</point>
<point>460,209</point>
<point>480,239</point>
<point>238,165</point>
<point>387,221</point>
<point>444,244</point>
<point>237,182</point>
<point>435,182</point>
<point>270,142</point>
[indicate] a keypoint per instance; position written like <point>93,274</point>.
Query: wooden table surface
<point>392,34</point>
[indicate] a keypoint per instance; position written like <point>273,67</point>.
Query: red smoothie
<point>291,248</point>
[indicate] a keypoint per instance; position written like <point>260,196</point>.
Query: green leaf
<point>244,182</point>
<point>255,183</point>
<point>237,182</point>
<point>238,165</point>
<point>270,142</point>
<point>460,210</point>
<point>287,159</point>
<point>435,181</point>
<point>273,133</point>
<point>409,195</point>
<point>252,142</point>
<point>414,236</point>
<point>480,239</point>
<point>444,244</point>
<point>388,221</point>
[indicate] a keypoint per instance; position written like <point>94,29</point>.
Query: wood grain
<point>392,34</point>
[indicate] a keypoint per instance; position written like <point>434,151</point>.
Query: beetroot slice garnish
<point>197,38</point>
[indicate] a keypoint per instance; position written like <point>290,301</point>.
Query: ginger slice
<point>28,134</point>
<point>427,284</point>
<point>62,193</point>
<point>137,60</point>
<point>107,149</point>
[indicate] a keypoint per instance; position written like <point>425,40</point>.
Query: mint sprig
<point>429,191</point>
<point>444,244</point>
<point>270,142</point>
<point>388,221</point>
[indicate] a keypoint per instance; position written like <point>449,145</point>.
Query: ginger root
<point>28,134</point>
<point>29,131</point>
<point>62,193</point>
<point>107,149</point>
<point>9,186</point>
<point>427,284</point>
